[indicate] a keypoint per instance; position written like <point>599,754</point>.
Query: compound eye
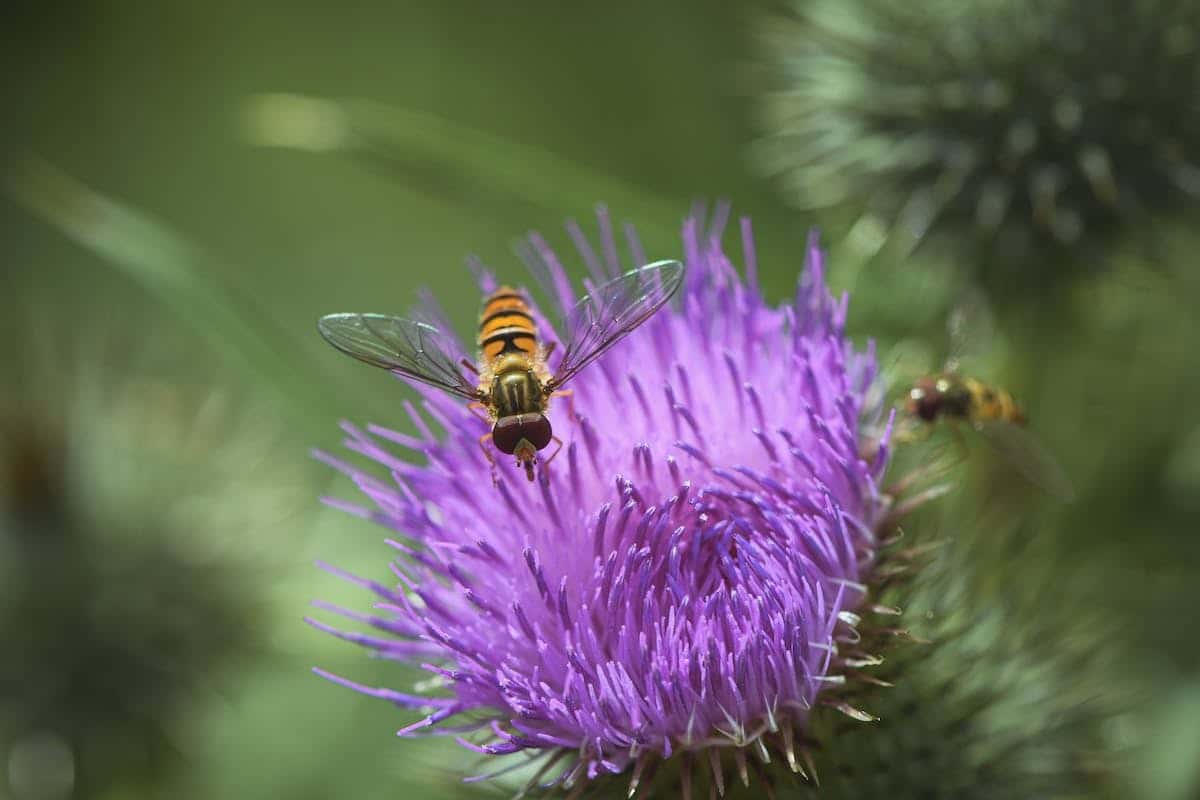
<point>538,431</point>
<point>506,434</point>
<point>533,428</point>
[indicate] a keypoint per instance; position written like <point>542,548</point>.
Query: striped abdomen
<point>506,326</point>
<point>991,403</point>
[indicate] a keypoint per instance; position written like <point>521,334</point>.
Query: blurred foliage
<point>179,446</point>
<point>126,581</point>
<point>470,167</point>
<point>173,271</point>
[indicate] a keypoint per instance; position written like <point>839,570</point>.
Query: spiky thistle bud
<point>993,705</point>
<point>1036,133</point>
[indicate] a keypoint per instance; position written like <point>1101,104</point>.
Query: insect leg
<point>557,450</point>
<point>913,433</point>
<point>470,367</point>
<point>487,453</point>
<point>933,468</point>
<point>961,442</point>
<point>477,407</point>
<point>570,395</point>
<point>549,349</point>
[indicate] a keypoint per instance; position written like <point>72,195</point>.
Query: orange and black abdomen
<point>991,403</point>
<point>506,325</point>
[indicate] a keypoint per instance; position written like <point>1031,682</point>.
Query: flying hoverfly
<point>960,400</point>
<point>513,382</point>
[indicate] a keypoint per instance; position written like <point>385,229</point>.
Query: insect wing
<point>412,349</point>
<point>971,330</point>
<point>1027,455</point>
<point>606,316</point>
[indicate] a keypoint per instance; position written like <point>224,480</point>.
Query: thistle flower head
<point>683,576</point>
<point>1031,128</point>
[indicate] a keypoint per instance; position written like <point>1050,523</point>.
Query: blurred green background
<point>189,186</point>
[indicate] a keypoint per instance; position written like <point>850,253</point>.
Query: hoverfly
<point>513,381</point>
<point>990,410</point>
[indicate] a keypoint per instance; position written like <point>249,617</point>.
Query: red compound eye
<point>509,431</point>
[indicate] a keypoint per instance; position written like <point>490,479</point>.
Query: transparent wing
<point>1027,455</point>
<point>413,349</point>
<point>606,316</point>
<point>971,330</point>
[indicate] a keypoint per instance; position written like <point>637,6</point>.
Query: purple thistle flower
<point>683,578</point>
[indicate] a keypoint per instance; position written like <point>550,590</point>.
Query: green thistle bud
<point>994,706</point>
<point>1033,133</point>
